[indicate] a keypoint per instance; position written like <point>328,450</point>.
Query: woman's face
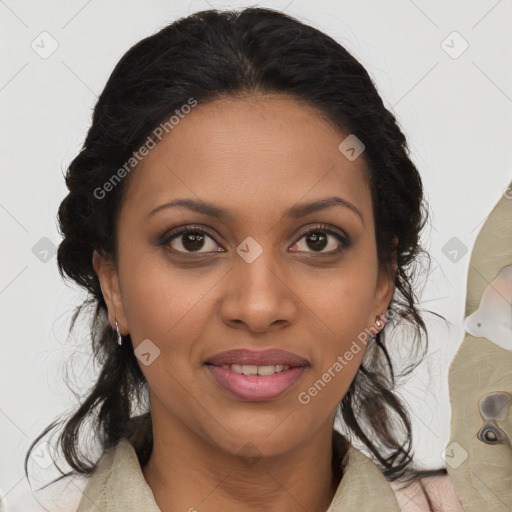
<point>256,280</point>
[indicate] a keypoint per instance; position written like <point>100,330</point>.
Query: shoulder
<point>440,491</point>
<point>102,485</point>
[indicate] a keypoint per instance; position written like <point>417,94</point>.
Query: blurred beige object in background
<point>479,454</point>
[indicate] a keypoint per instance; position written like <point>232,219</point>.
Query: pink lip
<point>256,387</point>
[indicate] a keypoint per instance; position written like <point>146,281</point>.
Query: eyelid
<point>343,240</point>
<point>173,233</point>
<point>169,235</point>
<point>326,228</point>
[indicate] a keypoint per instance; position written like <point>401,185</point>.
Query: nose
<point>258,296</point>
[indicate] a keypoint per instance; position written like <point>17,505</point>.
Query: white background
<point>455,112</point>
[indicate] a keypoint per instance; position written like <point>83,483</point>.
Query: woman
<point>246,218</point>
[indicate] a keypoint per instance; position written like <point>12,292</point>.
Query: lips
<point>257,358</point>
<point>256,376</point>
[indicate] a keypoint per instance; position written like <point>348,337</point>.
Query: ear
<point>109,282</point>
<point>385,286</point>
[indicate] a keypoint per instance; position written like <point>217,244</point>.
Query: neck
<point>186,472</point>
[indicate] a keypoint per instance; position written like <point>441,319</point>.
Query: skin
<point>255,156</point>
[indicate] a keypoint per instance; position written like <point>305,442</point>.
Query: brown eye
<point>317,241</point>
<point>322,239</point>
<point>191,240</point>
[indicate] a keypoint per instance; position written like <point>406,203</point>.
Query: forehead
<point>249,152</point>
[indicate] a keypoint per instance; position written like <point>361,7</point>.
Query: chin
<point>255,438</point>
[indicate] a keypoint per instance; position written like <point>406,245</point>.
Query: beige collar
<point>118,485</point>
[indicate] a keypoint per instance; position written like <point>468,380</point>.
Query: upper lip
<point>257,358</point>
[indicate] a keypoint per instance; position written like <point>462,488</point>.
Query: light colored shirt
<point>118,485</point>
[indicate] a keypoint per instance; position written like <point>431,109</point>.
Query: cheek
<point>330,376</point>
<point>169,307</point>
<point>340,307</point>
<point>341,300</point>
<point>162,302</point>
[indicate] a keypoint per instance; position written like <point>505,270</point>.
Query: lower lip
<point>256,387</point>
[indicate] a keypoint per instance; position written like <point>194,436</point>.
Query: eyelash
<point>169,236</point>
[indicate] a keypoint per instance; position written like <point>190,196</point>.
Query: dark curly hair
<point>206,56</point>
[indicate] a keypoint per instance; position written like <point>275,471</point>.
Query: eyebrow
<point>295,212</point>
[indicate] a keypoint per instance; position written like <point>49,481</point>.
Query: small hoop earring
<point>119,337</point>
